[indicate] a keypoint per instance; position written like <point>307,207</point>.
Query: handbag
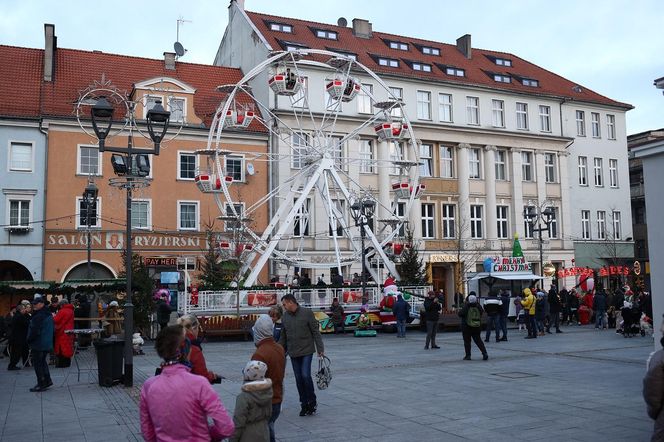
<point>324,374</point>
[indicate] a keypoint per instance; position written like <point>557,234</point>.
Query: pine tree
<point>412,271</point>
<point>142,288</point>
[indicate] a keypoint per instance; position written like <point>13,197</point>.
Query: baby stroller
<point>631,320</point>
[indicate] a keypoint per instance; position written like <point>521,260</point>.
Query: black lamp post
<point>133,177</point>
<point>534,215</point>
<point>90,201</point>
<point>361,211</point>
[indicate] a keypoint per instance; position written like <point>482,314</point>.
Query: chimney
<point>51,44</point>
<point>362,28</point>
<point>463,45</point>
<point>169,60</point>
<point>240,4</point>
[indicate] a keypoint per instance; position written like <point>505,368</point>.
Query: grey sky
<point>615,47</point>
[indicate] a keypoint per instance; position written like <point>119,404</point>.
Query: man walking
<point>471,326</point>
<point>300,338</point>
<point>431,314</point>
<point>504,312</point>
<point>599,305</point>
<point>555,305</point>
<point>18,347</point>
<point>40,340</point>
<point>492,306</point>
<point>401,309</point>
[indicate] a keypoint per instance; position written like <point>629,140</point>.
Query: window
<point>177,108</point>
<point>426,158</point>
<point>364,102</point>
<point>498,108</point>
<point>445,108</point>
<point>427,221</point>
<point>594,124</point>
<point>599,173</point>
<point>141,216</point>
<point>301,220</point>
<point>522,116</point>
<point>527,227</point>
<point>545,118</point>
<point>613,172</point>
<point>293,46</point>
<point>550,167</point>
<point>301,99</point>
<point>299,146</point>
<point>388,62</point>
<point>281,27</point>
<point>430,51</point>
<point>501,222</point>
<point>455,71</point>
<point>474,163</point>
<point>235,167</point>
<point>423,105</point>
<point>446,162</point>
<point>529,82</point>
<point>330,35</point>
<point>476,222</point>
<point>396,154</point>
<point>502,78</point>
<point>397,93</point>
<point>401,213</point>
<point>89,160</point>
<point>553,227</point>
<point>503,62</point>
<point>617,233</point>
<point>150,102</point>
<point>398,45</point>
<point>236,213</point>
<point>611,127</point>
<point>338,152</point>
<point>501,164</point>
<point>422,67</point>
<point>187,215</point>
<point>19,213</point>
<point>186,166</point>
<point>580,123</point>
<point>367,163</point>
<point>527,166</point>
<point>473,110</point>
<point>449,221</point>
<point>585,224</point>
<point>95,213</point>
<point>336,228</point>
<point>601,224</point>
<point>20,157</point>
<point>583,171</point>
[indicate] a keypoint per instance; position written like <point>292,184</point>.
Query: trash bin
<point>109,361</point>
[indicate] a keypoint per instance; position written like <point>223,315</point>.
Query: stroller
<point>631,326</point>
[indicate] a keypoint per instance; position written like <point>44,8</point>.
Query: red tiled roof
<point>20,77</point>
<point>476,69</point>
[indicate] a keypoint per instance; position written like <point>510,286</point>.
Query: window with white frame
<point>445,108</point>
<point>503,62</point>
<point>601,224</point>
<point>502,225</point>
<point>449,221</point>
<point>428,221</point>
<point>611,127</point>
<point>301,99</point>
<point>398,45</point>
<point>522,116</point>
<point>430,51</point>
<point>613,172</point>
<point>594,124</point>
<point>446,162</point>
<point>529,82</point>
<point>528,228</point>
<point>19,212</point>
<point>364,103</point>
<point>329,35</point>
<point>396,154</point>
<point>338,152</point>
<point>188,215</point>
<point>473,110</point>
<point>281,27</point>
<point>422,67</point>
<point>527,166</point>
<point>400,212</point>
<point>335,228</point>
<point>580,123</point>
<point>150,102</point>
<point>423,105</point>
<point>476,220</point>
<point>545,118</point>
<point>617,228</point>
<point>234,214</point>
<point>390,62</point>
<point>583,171</point>
<point>550,167</point>
<point>585,224</point>
<point>498,109</point>
<point>177,108</point>
<point>302,220</point>
<point>455,71</point>
<point>89,160</point>
<point>186,165</point>
<point>397,93</point>
<point>20,156</point>
<point>599,172</point>
<point>367,161</point>
<point>293,46</point>
<point>426,160</point>
<point>501,164</point>
<point>500,78</point>
<point>474,165</point>
<point>95,213</point>
<point>300,142</point>
<point>235,167</point>
<point>141,214</point>
<point>553,227</point>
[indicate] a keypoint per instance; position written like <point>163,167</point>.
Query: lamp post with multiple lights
<point>542,218</point>
<point>363,210</point>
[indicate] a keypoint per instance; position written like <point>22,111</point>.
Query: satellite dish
<point>342,22</point>
<point>179,49</point>
<point>250,169</point>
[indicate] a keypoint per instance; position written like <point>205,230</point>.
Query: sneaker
<point>485,357</point>
<point>467,358</point>
<point>435,346</point>
<point>303,410</point>
<point>311,409</point>
<point>49,383</point>
<point>37,389</point>
<point>426,348</point>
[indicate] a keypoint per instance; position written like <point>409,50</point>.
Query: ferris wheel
<point>324,169</point>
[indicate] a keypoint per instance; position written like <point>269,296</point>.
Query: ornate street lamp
<point>542,218</point>
<point>90,201</point>
<point>361,212</point>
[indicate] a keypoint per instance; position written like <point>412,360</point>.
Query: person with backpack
<point>471,326</point>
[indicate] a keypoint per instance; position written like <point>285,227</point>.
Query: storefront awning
<point>510,276</point>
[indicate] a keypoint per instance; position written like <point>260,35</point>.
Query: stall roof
<point>512,276</point>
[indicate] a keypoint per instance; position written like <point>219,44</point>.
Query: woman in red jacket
<point>196,358</point>
<point>64,343</point>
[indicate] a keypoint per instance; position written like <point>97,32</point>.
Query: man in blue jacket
<point>401,309</point>
<point>40,340</point>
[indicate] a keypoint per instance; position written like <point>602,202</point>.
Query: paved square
<point>582,385</point>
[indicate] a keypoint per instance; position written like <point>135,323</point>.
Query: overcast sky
<point>614,47</point>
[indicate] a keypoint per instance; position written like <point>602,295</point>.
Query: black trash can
<point>109,361</point>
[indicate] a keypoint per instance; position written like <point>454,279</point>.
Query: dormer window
<point>422,67</point>
<point>292,46</point>
<point>502,78</point>
<point>430,51</point>
<point>322,33</point>
<point>451,70</point>
<point>388,62</point>
<point>398,45</point>
<point>281,27</point>
<point>503,62</point>
<point>350,55</point>
<point>529,82</point>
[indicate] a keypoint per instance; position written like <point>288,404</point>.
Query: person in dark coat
<point>83,311</point>
<point>337,316</point>
<point>555,305</point>
<point>163,313</point>
<point>471,326</point>
<point>18,336</point>
<point>431,314</point>
<point>40,340</point>
<point>504,312</point>
<point>599,305</point>
<point>401,310</point>
<point>492,306</point>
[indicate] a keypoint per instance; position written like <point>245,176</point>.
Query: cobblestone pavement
<point>582,385</point>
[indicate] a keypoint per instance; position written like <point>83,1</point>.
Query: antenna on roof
<point>342,22</point>
<point>177,46</point>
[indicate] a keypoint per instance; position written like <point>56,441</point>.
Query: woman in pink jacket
<point>176,405</point>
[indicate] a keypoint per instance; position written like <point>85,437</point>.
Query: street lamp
<point>535,215</point>
<point>90,201</point>
<point>362,211</point>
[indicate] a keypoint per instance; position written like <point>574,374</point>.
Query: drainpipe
<point>45,132</point>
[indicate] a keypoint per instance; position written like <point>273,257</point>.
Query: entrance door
<point>439,277</point>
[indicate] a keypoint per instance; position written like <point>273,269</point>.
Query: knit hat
<point>113,304</point>
<point>263,328</point>
<point>254,371</point>
<point>472,299</point>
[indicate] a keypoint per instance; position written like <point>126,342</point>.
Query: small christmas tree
<point>516,247</point>
<point>412,271</point>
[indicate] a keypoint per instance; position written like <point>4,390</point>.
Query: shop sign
<point>511,264</point>
<point>575,271</point>
<point>156,261</point>
<point>614,270</point>
<point>443,258</point>
<point>116,240</point>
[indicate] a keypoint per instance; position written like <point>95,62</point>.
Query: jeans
<point>41,367</point>
<point>276,410</point>
<point>474,333</point>
<point>503,325</point>
<point>530,324</point>
<point>305,384</point>
<point>432,328</point>
<point>599,319</point>
<point>492,323</point>
<point>401,328</point>
<point>555,321</point>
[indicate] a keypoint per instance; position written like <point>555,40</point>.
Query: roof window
<point>398,45</point>
<point>281,27</point>
<point>529,82</point>
<point>430,51</point>
<point>388,62</point>
<point>422,67</point>
<point>451,70</point>
<point>503,62</point>
<point>502,78</point>
<point>329,35</point>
